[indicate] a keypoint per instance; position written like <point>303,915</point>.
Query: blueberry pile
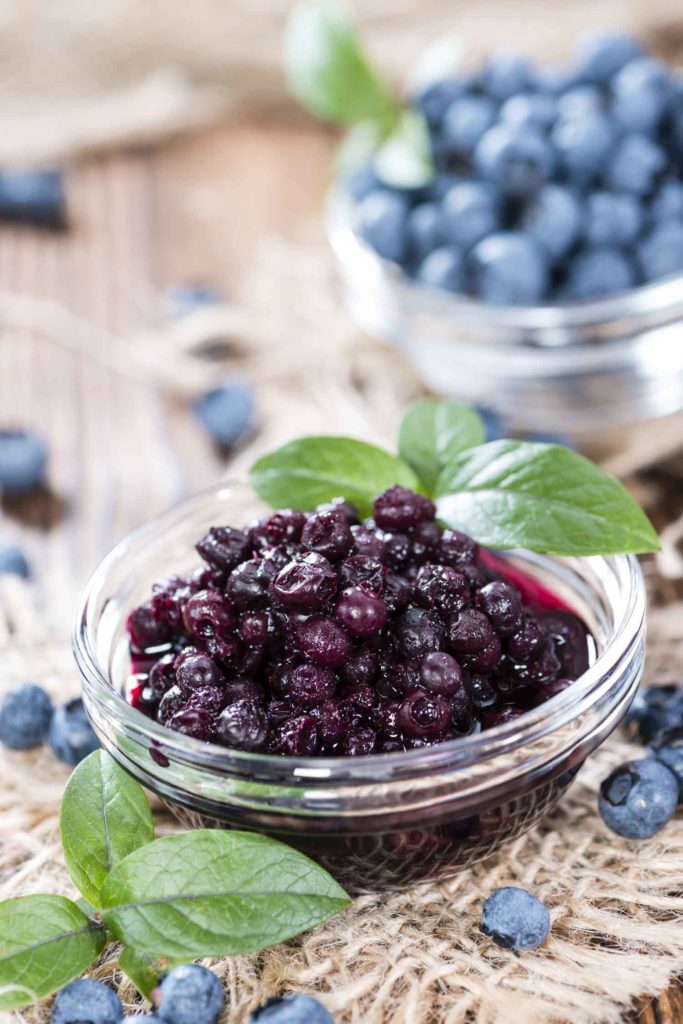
<point>550,186</point>
<point>319,634</point>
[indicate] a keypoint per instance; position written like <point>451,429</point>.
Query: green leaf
<point>404,160</point>
<point>143,969</point>
<point>214,893</point>
<point>543,497</point>
<point>433,432</point>
<point>327,70</point>
<point>311,470</point>
<point>359,145</point>
<point>45,941</point>
<point>104,817</point>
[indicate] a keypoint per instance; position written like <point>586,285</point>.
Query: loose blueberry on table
<point>546,188</point>
<point>319,634</point>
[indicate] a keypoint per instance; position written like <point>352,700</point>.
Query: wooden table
<point>121,452</point>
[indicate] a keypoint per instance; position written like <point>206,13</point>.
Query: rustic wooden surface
<point>120,450</point>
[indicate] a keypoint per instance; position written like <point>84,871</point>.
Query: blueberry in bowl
<point>518,233</point>
<point>356,675</point>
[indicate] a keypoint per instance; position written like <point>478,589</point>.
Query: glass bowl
<point>574,368</point>
<point>376,821</point>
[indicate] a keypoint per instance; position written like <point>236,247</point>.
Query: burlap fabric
<point>77,75</point>
<point>415,957</point>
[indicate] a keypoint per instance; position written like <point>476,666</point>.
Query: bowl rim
<point>652,297</point>
<point>555,713</point>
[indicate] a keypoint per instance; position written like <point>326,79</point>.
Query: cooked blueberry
<point>297,737</point>
<point>195,671</point>
<point>207,613</point>
<point>401,509</point>
<point>33,197</point>
<point>483,693</point>
<point>243,689</point>
<point>515,919</point>
<point>456,549</point>
<point>423,715</point>
<point>362,571</point>
<point>526,641</point>
<point>306,584</point>
<point>465,121</point>
<point>506,74</point>
<point>667,747</point>
<point>517,160</point>
<point>443,268</point>
<point>597,272</point>
<point>612,218</point>
<point>13,562</point>
<point>470,632</point>
<point>23,460</point>
<point>655,709</point>
<point>668,201</point>
<point>182,299</point>
<point>530,109</point>
<point>86,1001</point>
<point>309,686</point>
<point>635,164</point>
<point>554,219</point>
<point>584,143</point>
<point>442,588</point>
<point>192,721</point>
<point>243,725</point>
<point>435,99</point>
<point>189,994</point>
<point>334,719</point>
<point>502,604</point>
<point>349,511</point>
<point>227,413</point>
<point>440,673</point>
<point>25,716</point>
<point>642,92</point>
<point>71,736</point>
<point>509,268</point>
<point>417,632</point>
<point>328,533</point>
<point>638,799</point>
<point>360,743</point>
<point>367,542</point>
<point>360,667</point>
<point>382,217</point>
<point>224,547</point>
<point>661,252</point>
<point>360,612</point>
<point>292,1009</point>
<point>601,54</point>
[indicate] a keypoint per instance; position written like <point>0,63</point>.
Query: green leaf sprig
<point>504,494</point>
<point>333,78</point>
<point>201,893</point>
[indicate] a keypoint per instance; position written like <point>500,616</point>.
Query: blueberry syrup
<point>317,634</point>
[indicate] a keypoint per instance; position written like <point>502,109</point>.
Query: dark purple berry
<point>283,527</point>
<point>335,720</point>
<point>144,628</point>
<point>360,613</point>
<point>470,633</point>
<point>399,549</point>
<point>195,671</point>
<point>243,689</point>
<point>399,509</point>
<point>423,715</point>
<point>305,585</point>
<point>362,698</point>
<point>502,604</point>
<point>417,632</point>
<point>358,744</point>
<point>192,721</point>
<point>349,511</point>
<point>483,692</point>
<point>362,571</point>
<point>527,641</point>
<point>208,614</point>
<point>161,676</point>
<point>256,629</point>
<point>569,638</point>
<point>248,585</point>
<point>426,538</point>
<point>298,737</point>
<point>440,673</point>
<point>308,686</point>
<point>327,533</point>
<point>210,698</point>
<point>398,592</point>
<point>224,547</point>
<point>456,549</point>
<point>368,542</point>
<point>442,588</point>
<point>324,641</point>
<point>172,701</point>
<point>488,658</point>
<point>243,725</point>
<point>360,667</point>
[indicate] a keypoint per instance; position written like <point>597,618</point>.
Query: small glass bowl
<point>574,368</point>
<point>376,821</point>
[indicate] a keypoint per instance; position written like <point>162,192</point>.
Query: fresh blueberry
<point>443,269</point>
<point>667,747</point>
<point>584,142</point>
<point>531,109</point>
<point>382,219</point>
<point>602,54</point>
<point>612,218</point>
<point>465,121</point>
<point>469,212</point>
<point>493,423</point>
<point>182,299</point>
<point>668,201</point>
<point>642,92</point>
<point>638,798</point>
<point>85,1001</point>
<point>227,413</point>
<point>515,919</point>
<point>423,231</point>
<point>516,159</point>
<point>661,252</point>
<point>509,268</point>
<point>361,181</point>
<point>553,81</point>
<point>293,1009</point>
<point>506,74</point>
<point>582,99</point>
<point>25,717</point>
<point>655,709</point>
<point>635,164</point>
<point>554,218</point>
<point>189,994</point>
<point>598,272</point>
<point>33,197</point>
<point>435,99</point>
<point>23,459</point>
<point>71,735</point>
<point>13,562</point>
